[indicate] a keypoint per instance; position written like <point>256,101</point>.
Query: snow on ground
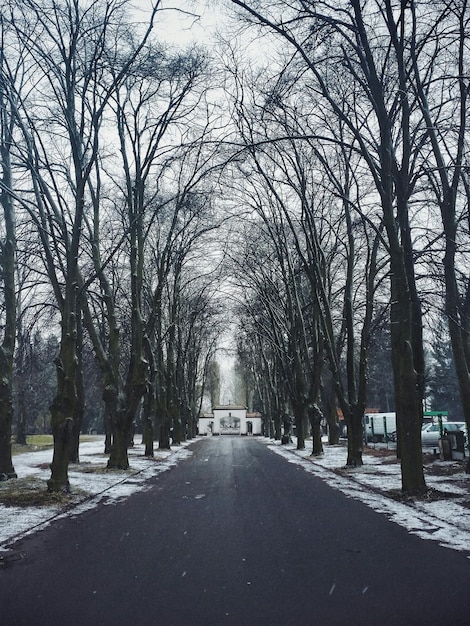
<point>376,484</point>
<point>445,519</point>
<point>89,480</point>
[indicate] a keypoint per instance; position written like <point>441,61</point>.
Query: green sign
<point>434,413</point>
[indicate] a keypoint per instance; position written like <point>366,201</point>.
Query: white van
<point>377,426</point>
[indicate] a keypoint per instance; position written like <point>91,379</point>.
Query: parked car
<point>430,433</point>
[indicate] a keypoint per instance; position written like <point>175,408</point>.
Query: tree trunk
<point>7,265</point>
<point>315,416</point>
<point>63,406</point>
<point>6,416</point>
<point>119,458</point>
<point>178,433</point>
<point>20,436</point>
<point>330,408</point>
<point>74,443</point>
<point>21,370</point>
<point>406,324</point>
<point>122,424</point>
<point>147,419</point>
<point>108,433</point>
<point>164,434</point>
<point>463,375</point>
<point>407,385</point>
<point>277,426</point>
<point>459,324</point>
<point>299,416</point>
<point>79,409</point>
<point>355,438</point>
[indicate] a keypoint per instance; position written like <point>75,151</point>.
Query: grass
<point>33,443</point>
<point>32,491</point>
<point>42,442</point>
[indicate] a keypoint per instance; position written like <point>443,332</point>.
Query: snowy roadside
<point>444,517</point>
<point>90,482</point>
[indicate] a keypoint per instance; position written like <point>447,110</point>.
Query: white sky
<point>182,23</point>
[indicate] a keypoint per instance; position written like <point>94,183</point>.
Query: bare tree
<point>318,189</point>
<point>213,382</point>
<point>70,48</point>
<point>367,43</point>
<point>440,58</point>
<point>255,348</point>
<point>7,260</point>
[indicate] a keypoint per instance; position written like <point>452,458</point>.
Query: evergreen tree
<point>443,386</point>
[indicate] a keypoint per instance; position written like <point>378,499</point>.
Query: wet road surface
<point>233,535</point>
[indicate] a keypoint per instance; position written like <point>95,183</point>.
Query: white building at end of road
<point>230,420</point>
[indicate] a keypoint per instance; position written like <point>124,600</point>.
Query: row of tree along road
<point>357,171</point>
<point>104,161</point>
<point>322,166</point>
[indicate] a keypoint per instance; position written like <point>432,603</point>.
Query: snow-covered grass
<point>443,517</point>
<point>90,481</point>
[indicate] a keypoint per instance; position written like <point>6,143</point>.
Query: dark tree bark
<point>330,409</point>
<point>406,317</point>
<point>449,173</point>
<point>149,408</point>
<point>23,366</point>
<point>63,406</point>
<point>315,417</point>
<point>362,59</point>
<point>7,272</point>
<point>74,444</point>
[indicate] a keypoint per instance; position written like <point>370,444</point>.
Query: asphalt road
<point>234,535</point>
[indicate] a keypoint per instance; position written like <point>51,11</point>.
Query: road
<point>233,535</point>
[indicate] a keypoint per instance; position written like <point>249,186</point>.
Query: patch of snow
<point>446,521</point>
<point>89,479</point>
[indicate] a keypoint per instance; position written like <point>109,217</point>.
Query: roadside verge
<point>442,516</point>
